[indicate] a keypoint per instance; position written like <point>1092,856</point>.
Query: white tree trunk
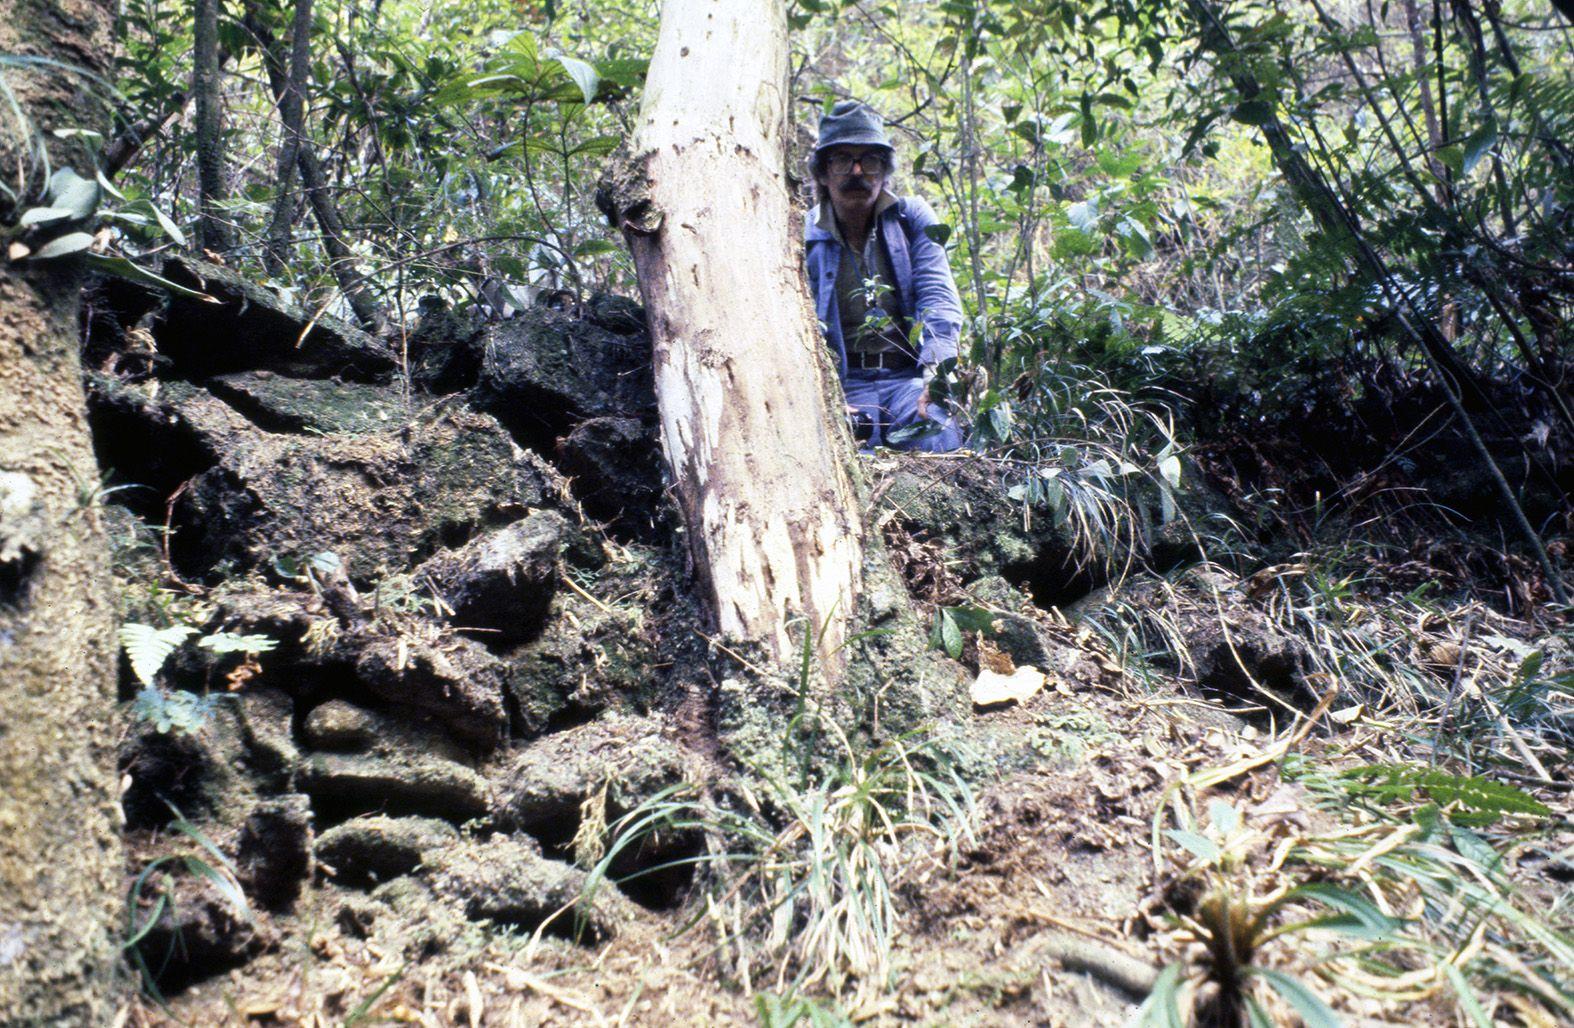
<point>763,468</point>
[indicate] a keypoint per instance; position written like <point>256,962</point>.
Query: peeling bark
<point>763,469</point>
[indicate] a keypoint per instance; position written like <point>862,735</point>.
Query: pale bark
<point>763,469</point>
<point>60,858</point>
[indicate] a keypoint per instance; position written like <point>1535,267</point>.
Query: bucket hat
<point>851,123</point>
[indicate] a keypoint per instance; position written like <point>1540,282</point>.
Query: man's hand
<point>923,403</point>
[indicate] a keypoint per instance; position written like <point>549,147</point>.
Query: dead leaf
<point>992,657</point>
<point>991,688</point>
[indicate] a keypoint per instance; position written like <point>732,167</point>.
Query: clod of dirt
<point>215,773</point>
<point>322,407</point>
<point>615,468</point>
<point>444,348</point>
<point>617,314</point>
<point>379,501</point>
<point>502,582</point>
<point>251,328</point>
<point>1021,634</point>
<point>198,934</point>
<point>340,726</point>
<point>405,782</point>
<point>456,681</point>
<point>365,851</point>
<point>274,851</point>
<point>963,507</point>
<point>1234,647</point>
<point>547,783</point>
<point>507,881</point>
<point>544,370</point>
<point>588,657</point>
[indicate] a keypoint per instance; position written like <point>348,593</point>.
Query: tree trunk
<point>762,465</point>
<point>292,113</point>
<point>59,855</point>
<point>341,259</point>
<point>213,232</point>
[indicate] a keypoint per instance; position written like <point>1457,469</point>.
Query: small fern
<point>148,648</point>
<point>1475,796</point>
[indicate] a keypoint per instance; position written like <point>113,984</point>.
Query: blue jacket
<point>924,286</point>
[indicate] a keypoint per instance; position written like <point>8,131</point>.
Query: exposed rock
<point>544,370</point>
<point>553,776</point>
<point>615,467</point>
<point>403,782</point>
<point>341,726</point>
<point>616,314</point>
<point>380,501</point>
<point>251,328</point>
<point>279,404</point>
<point>963,505</point>
<point>274,851</point>
<point>591,655</point>
<point>1019,630</point>
<point>445,348</point>
<point>503,581</point>
<point>212,773</point>
<point>1232,647</point>
<point>265,716</point>
<point>459,682</point>
<point>367,850</point>
<point>199,933</point>
<point>507,881</point>
<point>157,435</point>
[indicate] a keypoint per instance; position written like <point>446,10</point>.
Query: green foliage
<point>178,710</point>
<point>1481,800</point>
<point>151,897</point>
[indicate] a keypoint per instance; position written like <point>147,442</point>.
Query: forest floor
<point>479,658</point>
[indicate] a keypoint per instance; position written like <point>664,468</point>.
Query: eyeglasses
<point>872,163</point>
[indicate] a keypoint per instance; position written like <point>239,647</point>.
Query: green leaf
<point>1368,921</point>
<point>1467,996</point>
<point>72,192</point>
<point>597,146</point>
<point>124,267</point>
<point>1084,215</point>
<point>938,232</point>
<point>229,642</point>
<point>71,242</point>
<point>1314,1012</point>
<point>1200,846</point>
<point>168,225</point>
<point>42,216</point>
<point>1224,816</point>
<point>1162,1007</point>
<point>1170,470</point>
<point>1253,112</point>
<point>226,885</point>
<point>594,248</point>
<point>148,648</point>
<point>584,76</point>
<point>950,634</point>
<point>1476,146</point>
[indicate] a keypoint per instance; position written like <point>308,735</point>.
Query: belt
<point>895,360</point>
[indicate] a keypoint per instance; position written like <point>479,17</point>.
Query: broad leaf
<point>71,242</point>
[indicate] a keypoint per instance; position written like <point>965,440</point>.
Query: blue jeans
<point>885,400</point>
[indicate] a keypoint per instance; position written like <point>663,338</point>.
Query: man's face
<point>854,174</point>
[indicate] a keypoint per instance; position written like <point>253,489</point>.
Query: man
<point>876,275</point>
